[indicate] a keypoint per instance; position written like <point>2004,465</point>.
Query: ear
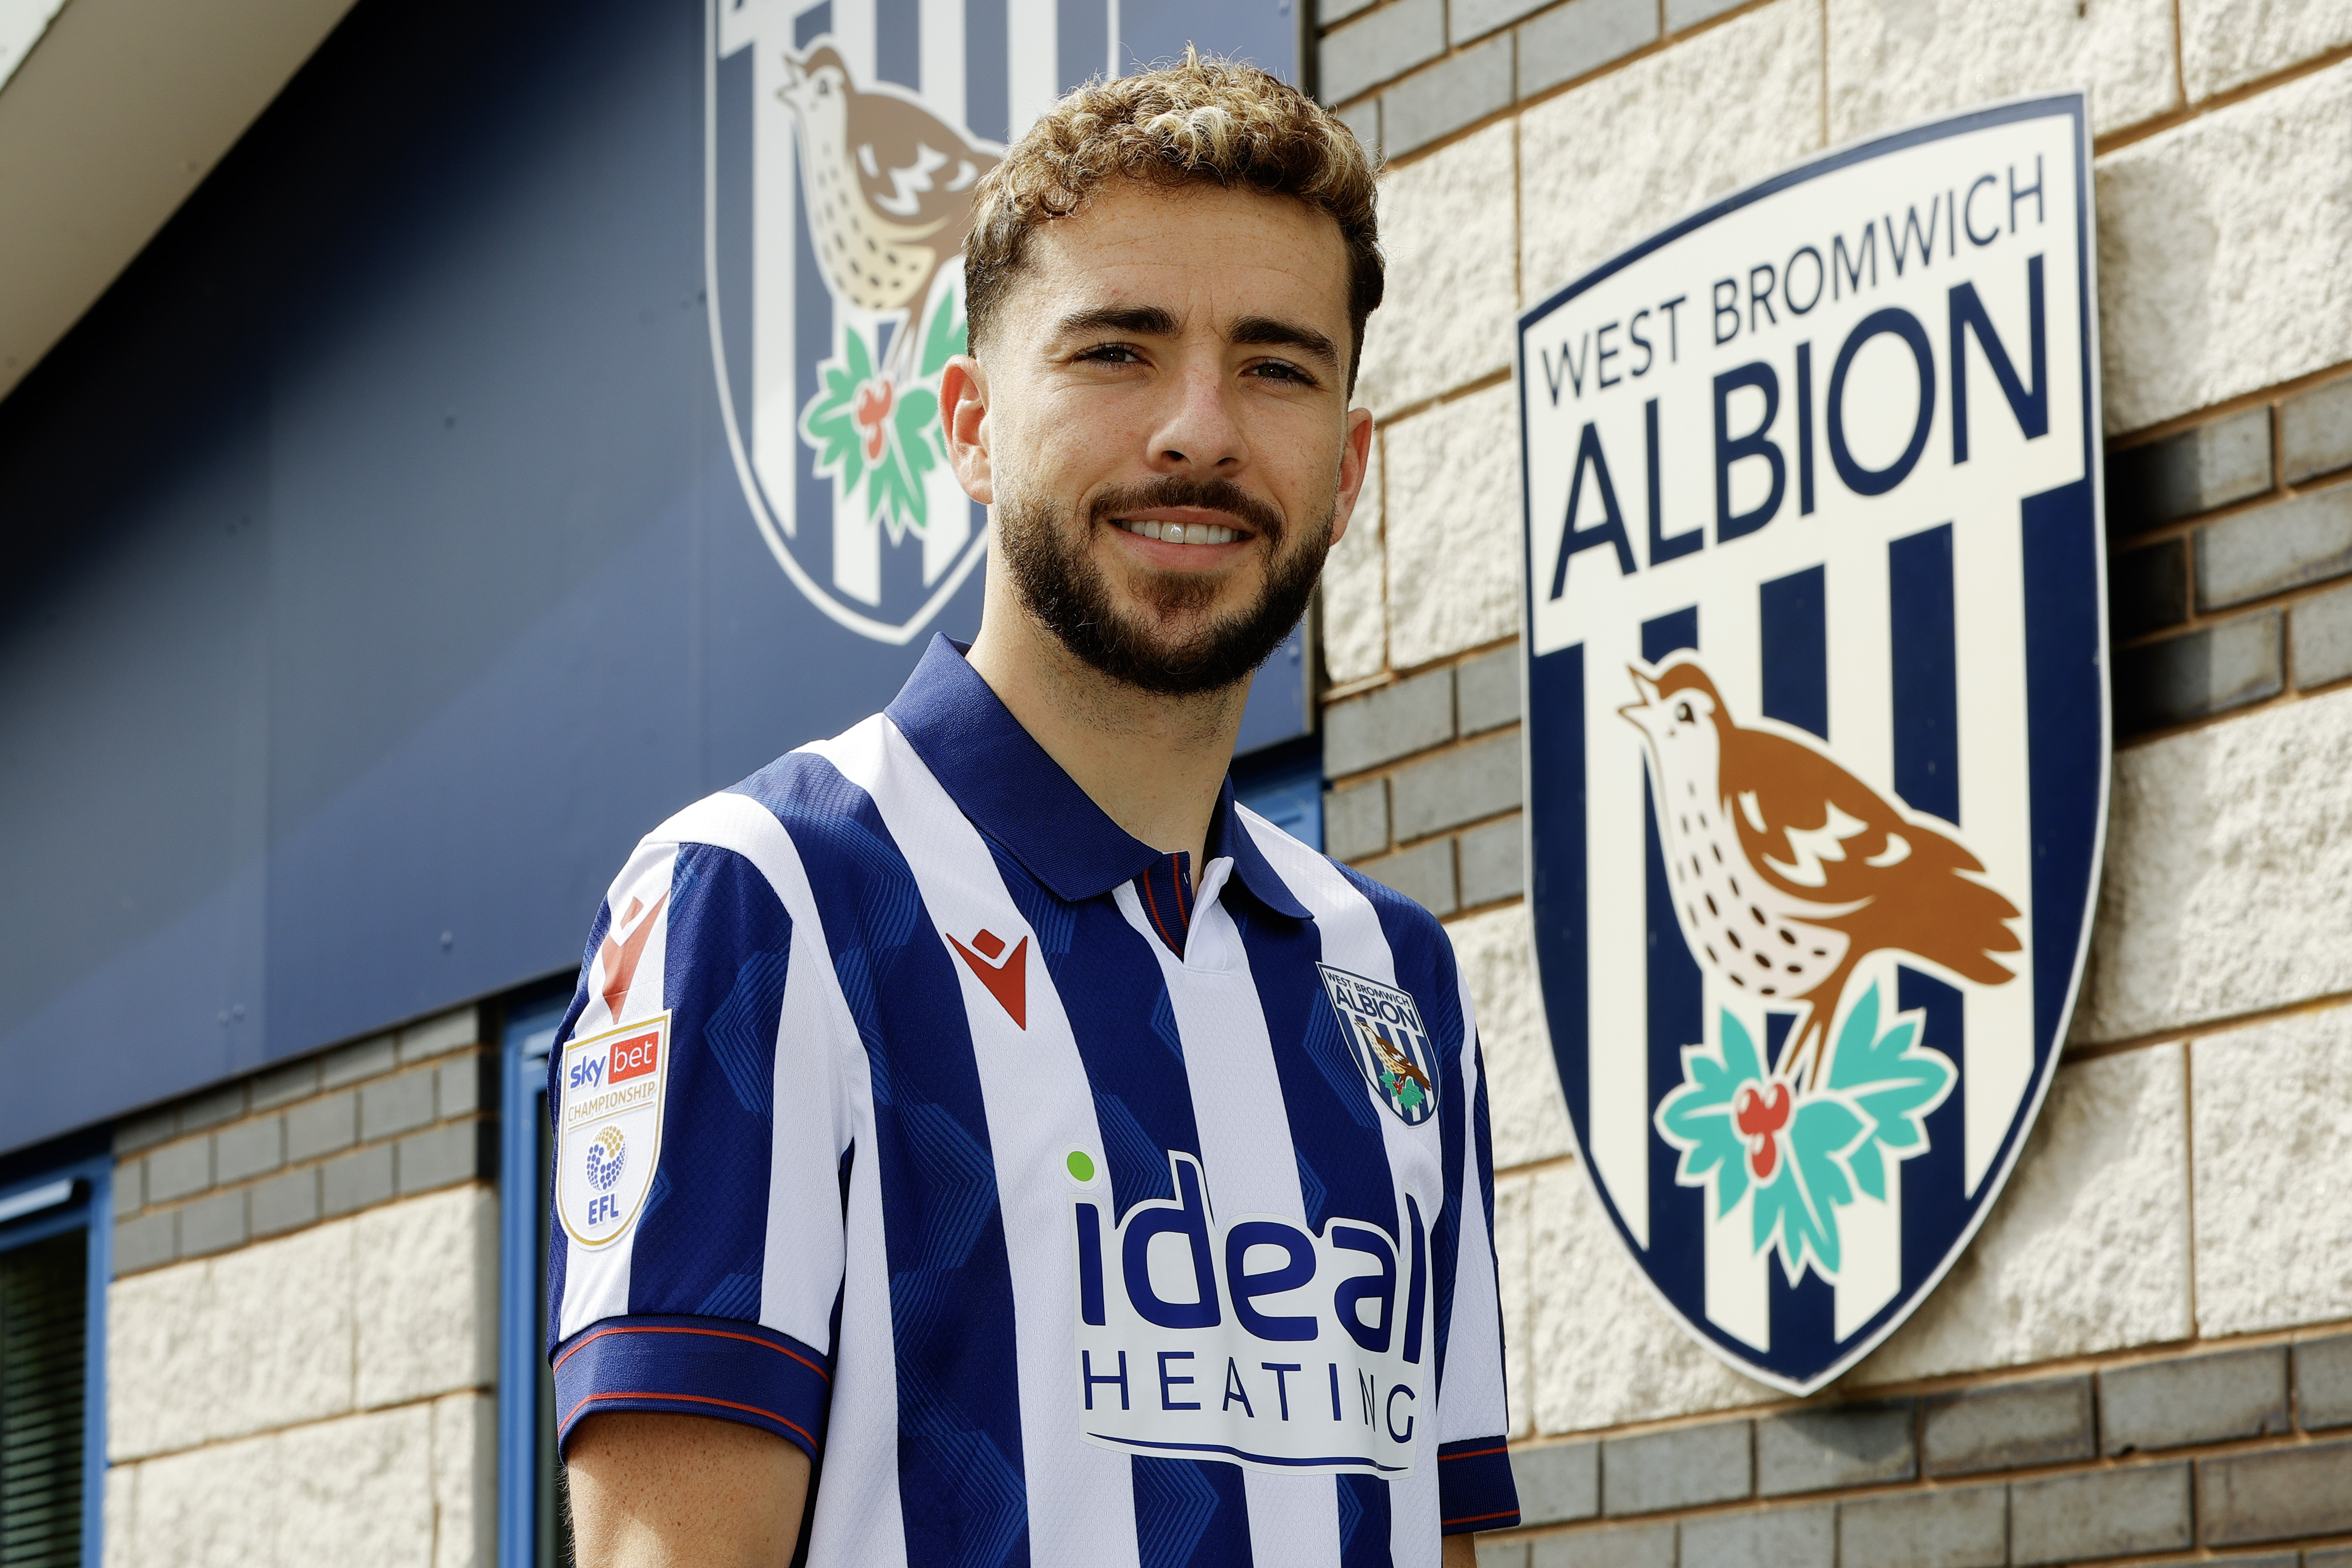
<point>963,412</point>
<point>1355,458</point>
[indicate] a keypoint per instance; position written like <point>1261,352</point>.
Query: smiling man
<point>1042,1159</point>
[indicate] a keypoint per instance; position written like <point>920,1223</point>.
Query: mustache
<point>1179,490</point>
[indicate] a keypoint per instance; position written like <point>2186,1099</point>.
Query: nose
<point>1201,432</point>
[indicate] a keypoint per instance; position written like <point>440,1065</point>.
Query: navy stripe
<point>1424,967</point>
<point>1794,651</point>
<point>813,24</point>
<point>1924,648</point>
<point>1365,1524</point>
<point>1082,41</point>
<point>1558,870</point>
<point>1677,1018</point>
<point>718,1368</point>
<point>1793,627</point>
<point>1924,645</point>
<point>961,1483</point>
<point>987,70</point>
<point>1122,1021</point>
<point>899,46</point>
<point>2066,724</point>
<point>702,1240</point>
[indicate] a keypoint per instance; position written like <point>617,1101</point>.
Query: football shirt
<point>911,1110</point>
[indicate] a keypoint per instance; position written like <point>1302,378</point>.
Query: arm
<point>1459,1551</point>
<point>652,1491</point>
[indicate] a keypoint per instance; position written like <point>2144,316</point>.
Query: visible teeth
<point>1184,533</point>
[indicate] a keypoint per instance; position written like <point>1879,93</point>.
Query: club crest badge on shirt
<point>613,1086</point>
<point>1387,1042</point>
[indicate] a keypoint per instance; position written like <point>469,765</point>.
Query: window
<point>53,1273</point>
<point>534,1529</point>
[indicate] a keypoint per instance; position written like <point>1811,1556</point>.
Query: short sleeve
<point>700,1147</point>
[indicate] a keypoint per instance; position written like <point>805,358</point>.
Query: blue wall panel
<point>379,570</point>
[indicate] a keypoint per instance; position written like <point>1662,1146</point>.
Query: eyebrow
<point>1267,331</point>
<point>1143,321</point>
<point>1154,321</point>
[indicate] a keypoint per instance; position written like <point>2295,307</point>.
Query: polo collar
<point>1003,779</point>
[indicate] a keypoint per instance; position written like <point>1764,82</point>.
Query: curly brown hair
<point>1207,119</point>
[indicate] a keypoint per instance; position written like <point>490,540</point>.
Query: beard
<point>1061,584</point>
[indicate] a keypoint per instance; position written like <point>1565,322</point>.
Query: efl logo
<point>1816,719</point>
<point>610,1124</point>
<point>1250,1338</point>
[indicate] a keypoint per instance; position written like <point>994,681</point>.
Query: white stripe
<point>1032,55</point>
<point>596,1282</point>
<point>820,1073</point>
<point>942,58</point>
<point>1352,940</point>
<point>1246,1157</point>
<point>859,1519</point>
<point>1040,1107</point>
<point>1617,966</point>
<point>1996,814</point>
<point>1857,607</point>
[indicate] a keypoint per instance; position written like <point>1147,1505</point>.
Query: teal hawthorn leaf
<point>945,337</point>
<point>1697,1115</point>
<point>1802,1199</point>
<point>1894,1085</point>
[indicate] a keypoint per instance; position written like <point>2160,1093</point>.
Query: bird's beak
<point>1637,714</point>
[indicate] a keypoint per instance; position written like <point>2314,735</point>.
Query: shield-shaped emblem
<point>613,1086</point>
<point>1388,1041</point>
<point>1817,728</point>
<point>838,194</point>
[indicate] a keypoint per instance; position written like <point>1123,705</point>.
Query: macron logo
<point>1006,975</point>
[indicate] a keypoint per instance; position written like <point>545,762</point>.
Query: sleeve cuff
<point>719,1367</point>
<point>1475,1489</point>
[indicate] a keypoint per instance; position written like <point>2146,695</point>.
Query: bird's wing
<point>1813,829</point>
<point>1817,832</point>
<point>913,167</point>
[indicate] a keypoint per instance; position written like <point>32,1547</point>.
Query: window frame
<point>527,1036</point>
<point>87,1203</point>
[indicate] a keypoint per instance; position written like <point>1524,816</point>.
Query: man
<point>1046,1160</point>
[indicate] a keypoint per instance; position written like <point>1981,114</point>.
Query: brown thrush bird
<point>1788,869</point>
<point>888,187</point>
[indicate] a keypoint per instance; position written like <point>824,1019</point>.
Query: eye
<point>1682,712</point>
<point>1280,370</point>
<point>1112,354</point>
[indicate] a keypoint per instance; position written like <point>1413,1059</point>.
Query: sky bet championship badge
<point>611,1131</point>
<point>1817,726</point>
<point>838,200</point>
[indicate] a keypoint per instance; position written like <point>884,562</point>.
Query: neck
<point>1154,763</point>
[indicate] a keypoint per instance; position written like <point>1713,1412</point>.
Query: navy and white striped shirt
<point>911,1110</point>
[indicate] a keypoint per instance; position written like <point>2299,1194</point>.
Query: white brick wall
<point>1453,526</point>
<point>1892,65</point>
<point>2223,222</point>
<point>1446,227</point>
<point>319,1398</point>
<point>1629,151</point>
<point>2087,1249</point>
<point>2221,251</point>
<point>2229,873</point>
<point>2270,1114</point>
<point>2228,43</point>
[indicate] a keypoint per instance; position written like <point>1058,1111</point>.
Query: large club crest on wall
<point>841,162</point>
<point>1817,727</point>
